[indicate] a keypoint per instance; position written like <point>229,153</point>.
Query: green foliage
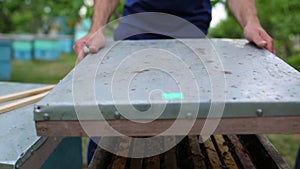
<point>214,2</point>
<point>27,16</point>
<point>294,60</point>
<point>280,18</point>
<point>228,28</point>
<point>118,12</point>
<point>287,146</point>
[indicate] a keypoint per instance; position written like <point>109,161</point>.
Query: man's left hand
<point>256,34</point>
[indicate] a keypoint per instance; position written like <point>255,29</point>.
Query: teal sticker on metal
<point>172,96</point>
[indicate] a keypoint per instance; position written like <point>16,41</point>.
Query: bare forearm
<point>95,39</point>
<point>103,9</point>
<point>244,11</point>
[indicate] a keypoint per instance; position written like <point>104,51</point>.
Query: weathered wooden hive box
<point>219,151</point>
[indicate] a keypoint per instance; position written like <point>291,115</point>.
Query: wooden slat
<point>198,157</point>
<point>153,162</point>
<point>21,103</point>
<point>241,152</point>
<point>212,154</point>
<point>121,158</point>
<point>170,156</point>
<point>152,146</point>
<point>38,157</point>
<point>119,162</point>
<point>225,154</point>
<point>124,146</point>
<point>251,125</point>
<point>184,154</point>
<point>136,163</point>
<point>26,93</point>
<point>100,159</point>
<point>272,152</point>
<point>257,152</point>
<point>138,151</point>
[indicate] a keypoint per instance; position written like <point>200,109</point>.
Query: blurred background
<point>36,39</point>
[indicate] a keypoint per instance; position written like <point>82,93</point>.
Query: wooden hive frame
<point>219,151</point>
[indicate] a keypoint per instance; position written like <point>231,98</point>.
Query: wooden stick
<point>27,93</point>
<point>22,102</point>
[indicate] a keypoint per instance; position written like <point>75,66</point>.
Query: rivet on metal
<point>259,112</point>
<point>117,115</point>
<point>44,130</point>
<point>189,115</point>
<point>37,108</point>
<point>46,116</point>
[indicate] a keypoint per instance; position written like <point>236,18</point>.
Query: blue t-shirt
<point>197,12</point>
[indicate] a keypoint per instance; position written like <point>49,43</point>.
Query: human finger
<point>269,40</point>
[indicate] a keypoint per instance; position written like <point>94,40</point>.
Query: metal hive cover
<point>18,135</point>
<point>167,79</point>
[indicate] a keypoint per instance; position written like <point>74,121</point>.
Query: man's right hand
<point>93,41</point>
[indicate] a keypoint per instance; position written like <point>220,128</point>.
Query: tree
<point>29,15</point>
<point>280,18</point>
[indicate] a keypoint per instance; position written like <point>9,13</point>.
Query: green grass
<point>287,146</point>
<point>51,72</point>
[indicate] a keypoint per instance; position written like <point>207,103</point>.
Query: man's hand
<point>256,34</point>
<point>93,41</point>
<point>245,13</point>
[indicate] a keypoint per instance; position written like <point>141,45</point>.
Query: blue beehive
<point>82,28</point>
<point>66,44</point>
<point>46,48</point>
<point>23,47</point>
<point>5,53</point>
<point>66,155</point>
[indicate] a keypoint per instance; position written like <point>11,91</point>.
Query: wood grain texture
<point>170,161</point>
<point>100,159</point>
<point>219,151</point>
<point>272,152</point>
<point>241,152</point>
<point>39,156</point>
<point>137,149</point>
<point>212,155</point>
<point>26,93</point>
<point>136,163</point>
<point>153,162</point>
<point>225,154</point>
<point>252,125</point>
<point>121,159</point>
<point>198,157</point>
<point>119,162</point>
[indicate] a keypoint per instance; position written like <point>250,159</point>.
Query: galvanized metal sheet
<point>18,137</point>
<point>153,76</point>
